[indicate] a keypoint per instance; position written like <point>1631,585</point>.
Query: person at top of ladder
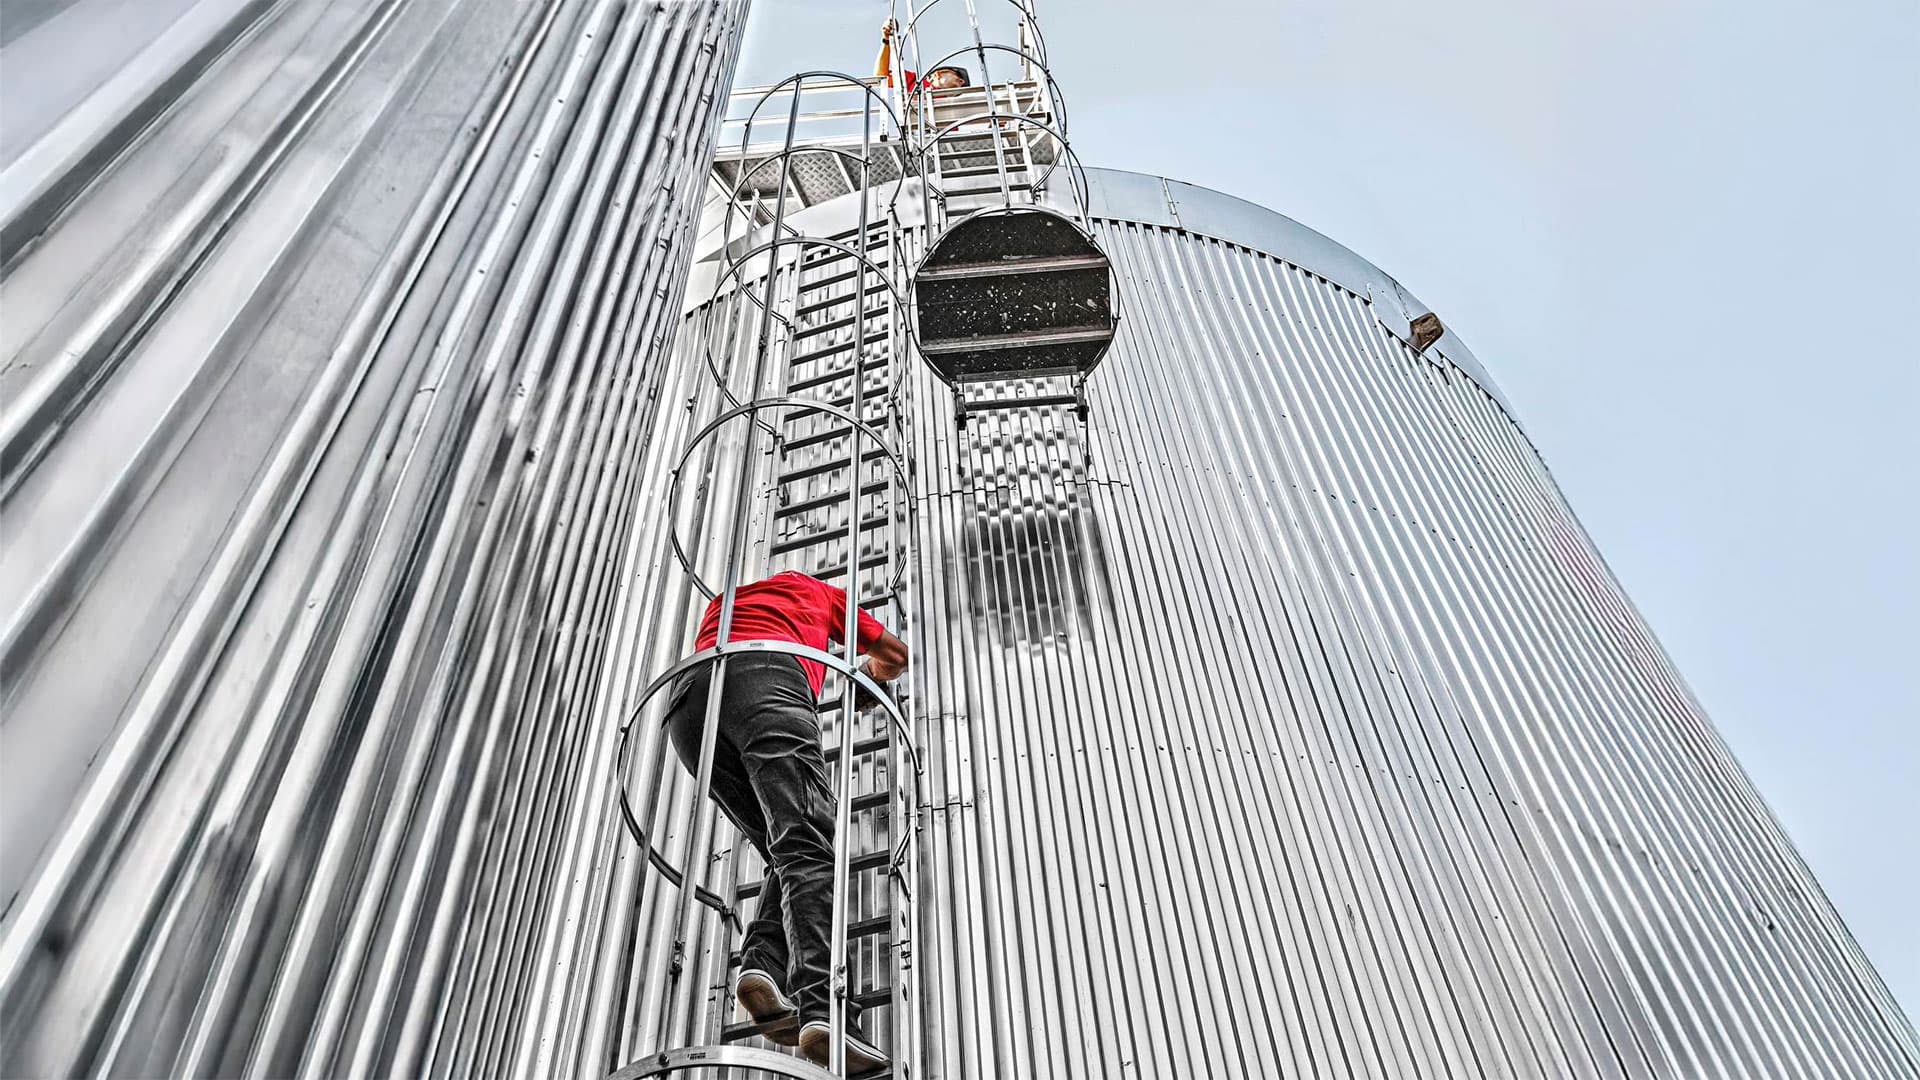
<point>770,778</point>
<point>940,78</point>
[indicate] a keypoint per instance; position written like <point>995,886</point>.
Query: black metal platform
<point>1010,293</point>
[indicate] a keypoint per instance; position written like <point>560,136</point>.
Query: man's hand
<point>886,30</point>
<point>863,698</point>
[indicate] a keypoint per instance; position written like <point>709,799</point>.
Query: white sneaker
<point>816,1042</point>
<point>760,996</point>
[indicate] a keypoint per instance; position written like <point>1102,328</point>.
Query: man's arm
<point>886,657</point>
<point>883,64</point>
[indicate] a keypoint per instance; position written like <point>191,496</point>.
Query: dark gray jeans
<point>770,778</point>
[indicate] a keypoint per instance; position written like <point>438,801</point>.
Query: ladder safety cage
<point>1013,299</point>
<point>798,314</point>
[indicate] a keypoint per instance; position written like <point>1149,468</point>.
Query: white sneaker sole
<point>816,1044</point>
<point>760,998</point>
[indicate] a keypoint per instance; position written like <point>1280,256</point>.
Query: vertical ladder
<point>844,350</point>
<point>819,486</point>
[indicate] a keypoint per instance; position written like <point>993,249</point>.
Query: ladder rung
<point>831,374</point>
<point>875,998</point>
<point>982,128</point>
<point>870,562</point>
<point>826,435</point>
<point>821,501</point>
<point>861,747</point>
<point>871,396</point>
<point>827,466</point>
<point>956,193</point>
<point>837,324</point>
<point>835,255</point>
<point>845,275</point>
<point>863,928</point>
<point>872,860</point>
<point>1071,335</point>
<point>829,351</point>
<point>805,540</point>
<point>1039,401</point>
<point>1054,264</point>
<point>821,305</point>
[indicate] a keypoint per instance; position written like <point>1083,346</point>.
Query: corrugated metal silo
<point>1281,720</point>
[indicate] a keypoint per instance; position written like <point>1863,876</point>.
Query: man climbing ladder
<point>770,778</point>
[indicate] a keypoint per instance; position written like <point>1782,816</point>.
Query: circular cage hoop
<point>754,407</point>
<point>1033,24</point>
<point>1076,172</point>
<point>732,273</point>
<point>688,1058</point>
<point>713,655</point>
<point>1053,85</point>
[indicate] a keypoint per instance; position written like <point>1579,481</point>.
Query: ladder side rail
<point>704,808</point>
<point>850,642</point>
<point>993,109</point>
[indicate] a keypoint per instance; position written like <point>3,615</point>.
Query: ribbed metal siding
<point>1304,733</point>
<point>335,646</point>
<point>1287,723</point>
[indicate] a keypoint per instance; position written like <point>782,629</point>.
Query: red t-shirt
<point>789,606</point>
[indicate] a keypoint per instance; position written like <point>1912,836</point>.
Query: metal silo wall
<point>1283,721</point>
<point>1292,726</point>
<point>334,383</point>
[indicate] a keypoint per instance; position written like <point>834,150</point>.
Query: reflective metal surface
<point>322,407</point>
<point>1282,721</point>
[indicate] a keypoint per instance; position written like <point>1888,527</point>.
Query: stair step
<point>979,170</point>
<point>1069,335</point>
<point>1048,265</point>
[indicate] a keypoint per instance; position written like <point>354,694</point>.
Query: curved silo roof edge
<point>1120,195</point>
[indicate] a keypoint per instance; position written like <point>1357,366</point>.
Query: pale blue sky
<point>1682,234</point>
